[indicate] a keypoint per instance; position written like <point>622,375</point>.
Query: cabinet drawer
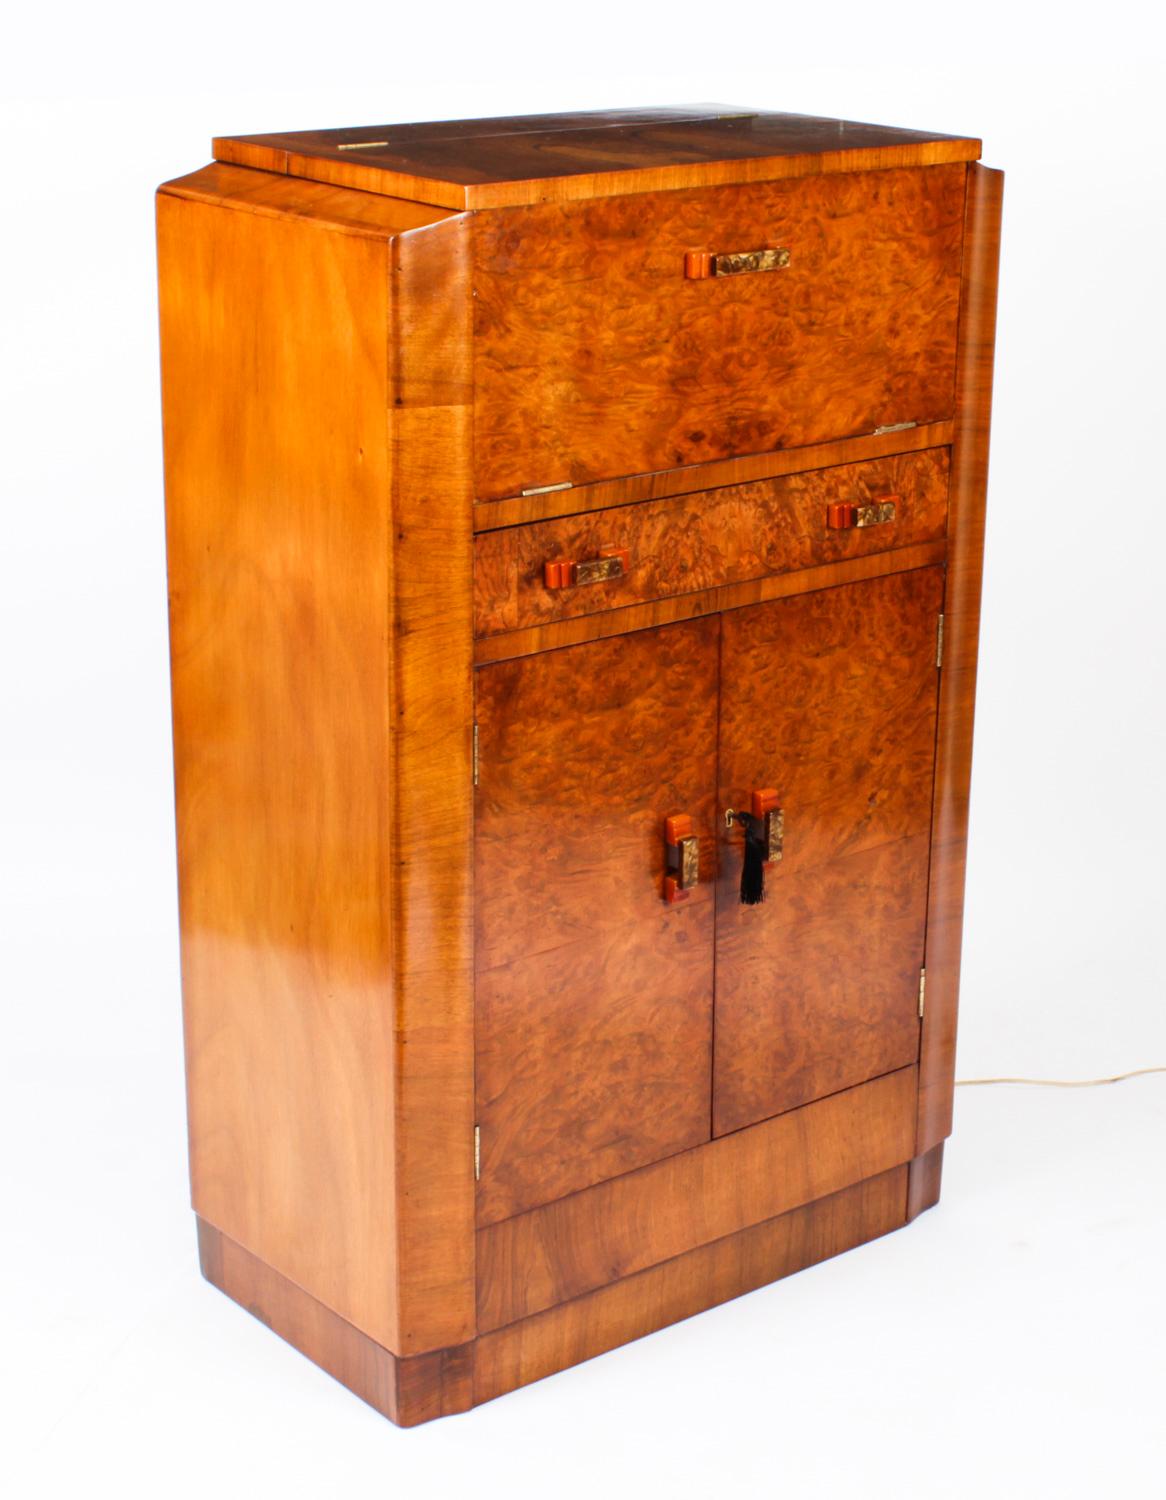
<point>699,541</point>
<point>597,355</point>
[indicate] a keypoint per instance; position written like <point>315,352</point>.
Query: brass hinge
<point>939,644</point>
<point>922,990</point>
<point>475,755</point>
<point>477,1152</point>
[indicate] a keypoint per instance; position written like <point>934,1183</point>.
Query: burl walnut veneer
<point>575,528</point>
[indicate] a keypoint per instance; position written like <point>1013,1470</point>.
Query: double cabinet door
<point>614,1028</point>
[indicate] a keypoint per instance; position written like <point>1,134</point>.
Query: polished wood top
<point>499,163</point>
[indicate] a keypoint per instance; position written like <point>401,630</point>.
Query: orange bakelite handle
<point>563,573</point>
<point>843,515</point>
<point>682,851</point>
<point>763,801</point>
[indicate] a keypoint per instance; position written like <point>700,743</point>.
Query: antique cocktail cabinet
<point>575,528</point>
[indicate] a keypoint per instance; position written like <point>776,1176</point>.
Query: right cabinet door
<point>830,699</point>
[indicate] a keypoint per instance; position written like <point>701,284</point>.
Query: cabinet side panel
<point>957,692</point>
<point>432,717</point>
<point>277,487</point>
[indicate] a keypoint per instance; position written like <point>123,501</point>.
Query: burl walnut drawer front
<point>602,349</point>
<point>659,548</point>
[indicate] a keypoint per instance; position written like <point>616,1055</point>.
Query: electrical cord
<point>1058,1083</point>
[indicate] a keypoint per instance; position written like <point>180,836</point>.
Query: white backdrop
<point>1011,1341</point>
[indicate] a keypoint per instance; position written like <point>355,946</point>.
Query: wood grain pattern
<point>949,830</point>
<point>690,478</point>
<point>594,997</point>
<point>323,700</point>
<point>407,1391</point>
<point>616,1228</point>
<point>628,1309</point>
<point>380,958</point>
<point>274,394</point>
<point>612,622</point>
<point>924,1177</point>
<point>423,1387</point>
<point>705,540</point>
<point>832,702</point>
<point>545,158</point>
<point>594,357</point>
<point>431,692</point>
<point>336,209</point>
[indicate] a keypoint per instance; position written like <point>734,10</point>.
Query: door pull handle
<point>682,857</point>
<point>611,563</point>
<point>764,829</point>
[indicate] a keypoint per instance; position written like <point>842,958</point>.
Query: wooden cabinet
<point>561,512</point>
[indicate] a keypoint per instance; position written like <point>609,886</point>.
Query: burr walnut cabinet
<point>574,529</point>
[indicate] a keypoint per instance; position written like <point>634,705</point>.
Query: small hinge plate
<point>939,644</point>
<point>922,991</point>
<point>475,755</point>
<point>477,1152</point>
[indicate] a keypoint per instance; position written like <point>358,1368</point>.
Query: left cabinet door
<point>593,1006</point>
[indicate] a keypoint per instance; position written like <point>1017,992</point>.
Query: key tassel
<point>753,865</point>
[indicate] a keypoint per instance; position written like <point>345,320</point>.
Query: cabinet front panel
<point>714,537</point>
<point>596,356</point>
<point>593,996</point>
<point>830,699</point>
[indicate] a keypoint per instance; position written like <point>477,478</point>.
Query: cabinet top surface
<point>499,163</point>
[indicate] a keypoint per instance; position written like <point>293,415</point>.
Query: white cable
<point>1058,1083</point>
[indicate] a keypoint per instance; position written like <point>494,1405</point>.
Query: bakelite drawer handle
<point>844,514</point>
<point>699,264</point>
<point>682,852</point>
<point>612,562</point>
<point>764,826</point>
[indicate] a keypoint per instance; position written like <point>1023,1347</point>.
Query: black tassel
<point>753,866</point>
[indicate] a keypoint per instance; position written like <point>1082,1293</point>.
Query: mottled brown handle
<point>765,804</point>
<point>841,515</point>
<point>764,811</point>
<point>611,563</point>
<point>699,264</point>
<point>682,851</point>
